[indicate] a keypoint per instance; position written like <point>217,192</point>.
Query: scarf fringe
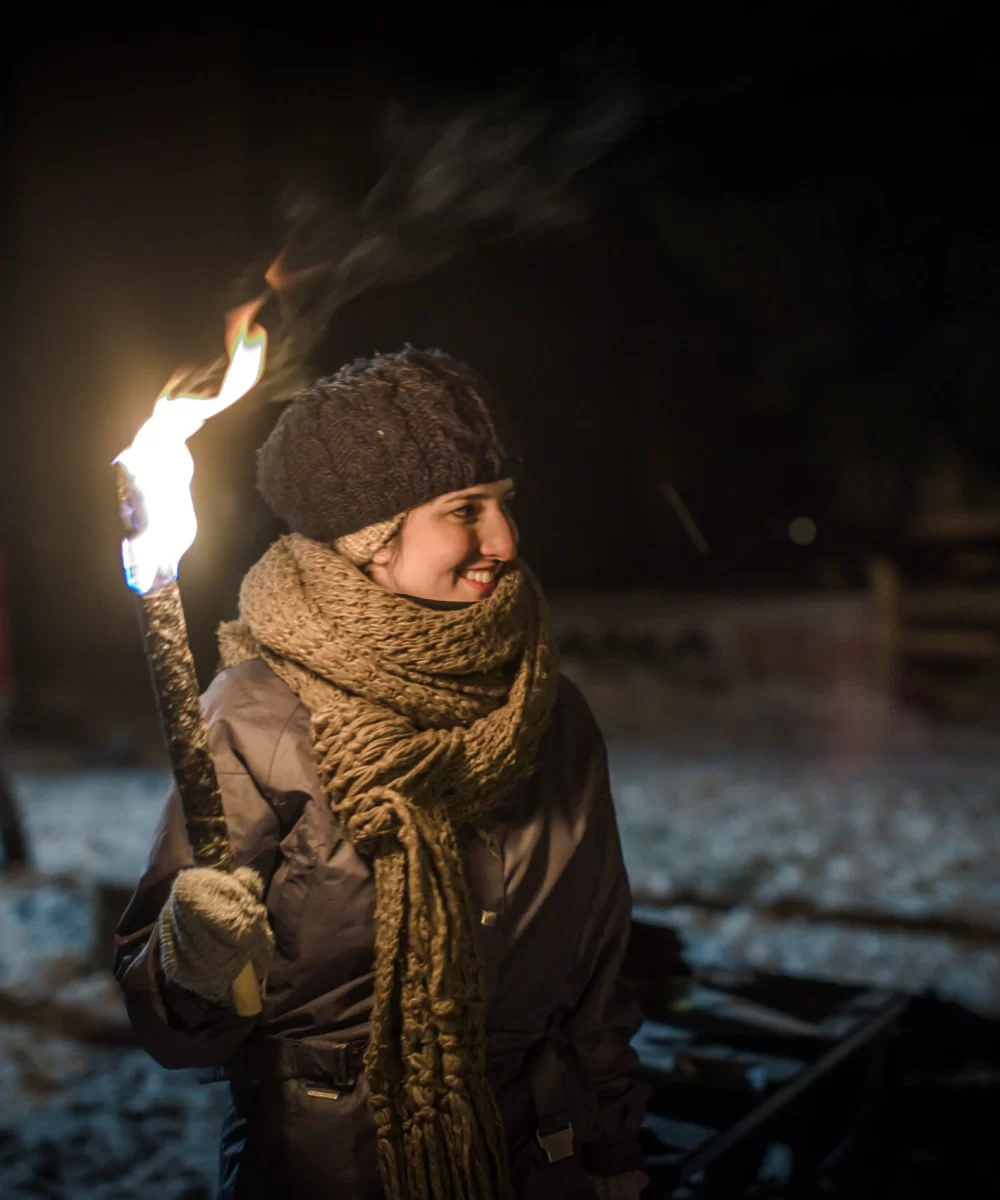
<point>451,1154</point>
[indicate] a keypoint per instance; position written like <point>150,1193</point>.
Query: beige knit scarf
<point>421,721</point>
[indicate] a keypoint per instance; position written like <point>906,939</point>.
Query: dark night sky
<point>781,297</point>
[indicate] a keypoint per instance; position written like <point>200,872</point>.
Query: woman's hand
<point>212,924</point>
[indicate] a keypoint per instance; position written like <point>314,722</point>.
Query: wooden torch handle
<point>175,686</point>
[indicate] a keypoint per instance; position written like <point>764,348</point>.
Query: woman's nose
<point>498,536</point>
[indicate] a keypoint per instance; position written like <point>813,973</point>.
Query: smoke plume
<point>517,164</point>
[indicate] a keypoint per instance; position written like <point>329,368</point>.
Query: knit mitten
<point>211,926</point>
<point>620,1187</point>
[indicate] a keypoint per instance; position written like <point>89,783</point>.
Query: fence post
<point>884,580</point>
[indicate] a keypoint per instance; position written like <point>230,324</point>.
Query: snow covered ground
<point>884,870</point>
<point>888,875</point>
<point>816,835</point>
<point>88,1123</point>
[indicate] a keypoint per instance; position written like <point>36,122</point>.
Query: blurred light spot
<point>802,531</point>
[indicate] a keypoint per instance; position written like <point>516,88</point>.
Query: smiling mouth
<point>482,580</point>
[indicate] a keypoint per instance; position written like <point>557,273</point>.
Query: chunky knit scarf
<point>421,722</point>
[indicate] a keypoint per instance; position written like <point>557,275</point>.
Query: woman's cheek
<point>459,547</point>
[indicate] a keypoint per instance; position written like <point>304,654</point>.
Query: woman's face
<point>452,548</point>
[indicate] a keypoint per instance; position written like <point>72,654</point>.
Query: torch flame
<point>160,465</point>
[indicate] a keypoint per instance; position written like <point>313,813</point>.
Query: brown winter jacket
<point>555,903</point>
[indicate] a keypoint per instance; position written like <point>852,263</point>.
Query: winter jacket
<point>555,908</point>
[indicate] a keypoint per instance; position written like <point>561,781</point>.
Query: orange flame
<point>160,465</point>
<point>279,279</point>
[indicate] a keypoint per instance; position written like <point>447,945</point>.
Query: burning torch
<point>154,493</point>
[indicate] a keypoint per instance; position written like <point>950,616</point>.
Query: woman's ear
<point>382,556</point>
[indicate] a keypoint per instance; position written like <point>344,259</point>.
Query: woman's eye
<point>465,512</point>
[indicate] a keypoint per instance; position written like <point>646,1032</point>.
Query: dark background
<point>778,295</point>
<point>774,289</point>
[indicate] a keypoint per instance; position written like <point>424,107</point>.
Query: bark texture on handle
<point>175,685</point>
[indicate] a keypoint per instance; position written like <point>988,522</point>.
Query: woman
<point>431,886</point>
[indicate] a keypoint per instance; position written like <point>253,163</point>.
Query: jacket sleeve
<point>606,1015</point>
<point>177,1027</point>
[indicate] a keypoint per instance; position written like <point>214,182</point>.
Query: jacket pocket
<point>329,1142</point>
<point>545,1160</point>
<point>304,1138</point>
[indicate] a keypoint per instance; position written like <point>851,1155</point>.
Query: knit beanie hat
<point>352,454</point>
